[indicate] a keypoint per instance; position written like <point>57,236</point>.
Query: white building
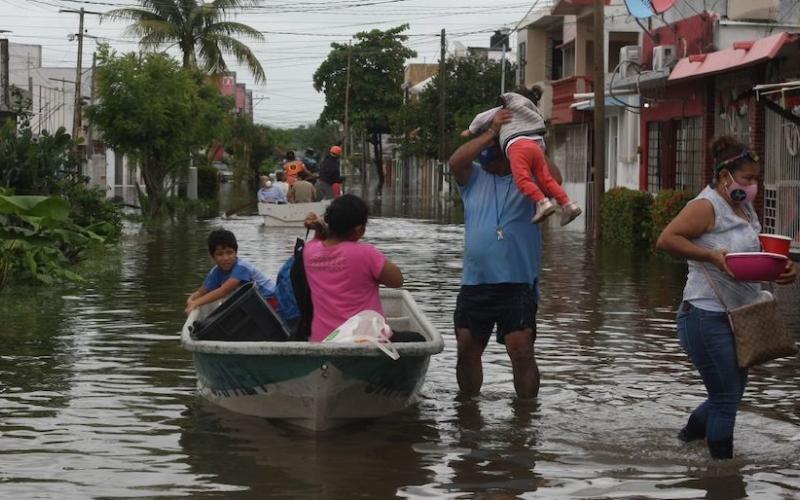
<point>51,91</point>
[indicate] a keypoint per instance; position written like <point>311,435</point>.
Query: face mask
<point>739,193</point>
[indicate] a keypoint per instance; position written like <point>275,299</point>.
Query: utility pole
<point>5,95</point>
<point>347,106</point>
<point>599,118</point>
<point>90,141</point>
<point>442,94</point>
<point>503,64</point>
<point>76,116</point>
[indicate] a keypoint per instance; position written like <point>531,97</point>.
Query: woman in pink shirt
<point>343,274</point>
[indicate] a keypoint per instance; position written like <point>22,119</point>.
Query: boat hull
<point>289,214</point>
<point>316,385</point>
<point>313,392</point>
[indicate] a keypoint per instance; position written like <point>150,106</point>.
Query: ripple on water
<point>98,400</point>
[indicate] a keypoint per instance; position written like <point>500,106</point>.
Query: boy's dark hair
<point>290,156</point>
<point>345,213</point>
<point>221,238</point>
<point>280,176</point>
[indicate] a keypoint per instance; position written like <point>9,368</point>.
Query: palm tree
<point>199,28</point>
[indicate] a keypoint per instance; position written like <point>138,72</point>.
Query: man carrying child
<point>502,260</point>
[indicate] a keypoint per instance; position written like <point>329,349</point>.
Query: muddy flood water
<point>98,400</point>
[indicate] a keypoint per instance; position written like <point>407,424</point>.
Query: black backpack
<point>302,294</point>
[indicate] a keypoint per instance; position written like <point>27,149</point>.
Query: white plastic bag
<point>365,327</point>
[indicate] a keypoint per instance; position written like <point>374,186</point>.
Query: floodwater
<point>97,398</point>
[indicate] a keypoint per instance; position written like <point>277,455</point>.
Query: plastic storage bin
<point>244,316</point>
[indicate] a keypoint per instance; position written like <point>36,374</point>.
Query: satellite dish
<point>661,6</point>
<point>641,9</point>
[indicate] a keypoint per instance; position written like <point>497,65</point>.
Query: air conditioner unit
<point>663,56</point>
<point>629,57</point>
<point>754,10</point>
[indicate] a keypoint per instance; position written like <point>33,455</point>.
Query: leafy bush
<point>626,217</point>
<point>92,210</point>
<point>38,241</point>
<point>41,164</point>
<point>207,182</point>
<point>666,206</point>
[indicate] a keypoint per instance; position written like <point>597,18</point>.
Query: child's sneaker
<point>544,209</point>
<point>569,212</point>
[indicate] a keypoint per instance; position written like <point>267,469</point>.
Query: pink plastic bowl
<point>756,266</point>
<point>775,243</point>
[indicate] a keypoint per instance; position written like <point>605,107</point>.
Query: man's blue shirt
<point>244,272</point>
<point>272,194</point>
<point>491,201</point>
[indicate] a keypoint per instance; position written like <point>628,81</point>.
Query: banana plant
<point>38,241</point>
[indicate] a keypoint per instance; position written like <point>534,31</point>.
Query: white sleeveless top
<point>734,234</point>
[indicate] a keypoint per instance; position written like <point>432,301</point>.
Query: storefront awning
<point>742,54</point>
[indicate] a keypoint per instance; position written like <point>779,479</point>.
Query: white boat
<point>289,214</point>
<point>314,385</point>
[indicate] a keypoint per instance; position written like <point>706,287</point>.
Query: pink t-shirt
<point>344,281</point>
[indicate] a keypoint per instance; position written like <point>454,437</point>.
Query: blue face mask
<point>488,155</point>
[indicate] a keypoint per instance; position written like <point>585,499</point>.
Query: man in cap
<point>329,174</point>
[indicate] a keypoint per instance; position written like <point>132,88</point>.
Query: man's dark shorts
<point>510,306</point>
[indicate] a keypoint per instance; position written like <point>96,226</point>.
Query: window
<point>522,51</point>
<point>653,157</point>
<point>617,40</point>
<point>568,52</point>
<point>576,162</point>
<point>689,155</point>
<point>781,166</point>
<point>556,69</point>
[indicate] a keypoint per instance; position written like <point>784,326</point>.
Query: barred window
<point>654,157</point>
<point>689,155</point>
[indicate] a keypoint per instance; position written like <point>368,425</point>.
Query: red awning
<point>740,55</point>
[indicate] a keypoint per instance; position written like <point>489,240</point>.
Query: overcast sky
<point>288,98</point>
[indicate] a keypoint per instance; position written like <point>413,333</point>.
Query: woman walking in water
<point>721,219</point>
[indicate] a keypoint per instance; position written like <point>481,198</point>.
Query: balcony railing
<point>564,91</point>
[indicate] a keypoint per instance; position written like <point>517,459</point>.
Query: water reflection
<point>97,399</point>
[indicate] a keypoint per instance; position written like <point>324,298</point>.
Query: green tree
<point>377,62</point>
<point>157,112</point>
<point>199,28</point>
<point>473,85</point>
<point>317,137</point>
<point>251,144</point>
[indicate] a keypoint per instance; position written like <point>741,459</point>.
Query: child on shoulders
<point>522,140</point>
<point>229,273</point>
<point>343,273</point>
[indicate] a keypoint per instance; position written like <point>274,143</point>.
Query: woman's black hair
<point>290,156</point>
<point>344,214</point>
<point>729,154</point>
<point>221,238</point>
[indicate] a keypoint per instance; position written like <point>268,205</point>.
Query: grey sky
<point>288,98</point>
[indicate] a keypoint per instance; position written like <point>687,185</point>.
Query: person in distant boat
<point>280,181</point>
<point>329,174</point>
<point>502,260</point>
<point>269,192</point>
<point>229,273</point>
<point>293,168</point>
<point>343,273</point>
<point>302,191</point>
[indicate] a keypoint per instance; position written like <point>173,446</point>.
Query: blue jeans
<point>707,338</point>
